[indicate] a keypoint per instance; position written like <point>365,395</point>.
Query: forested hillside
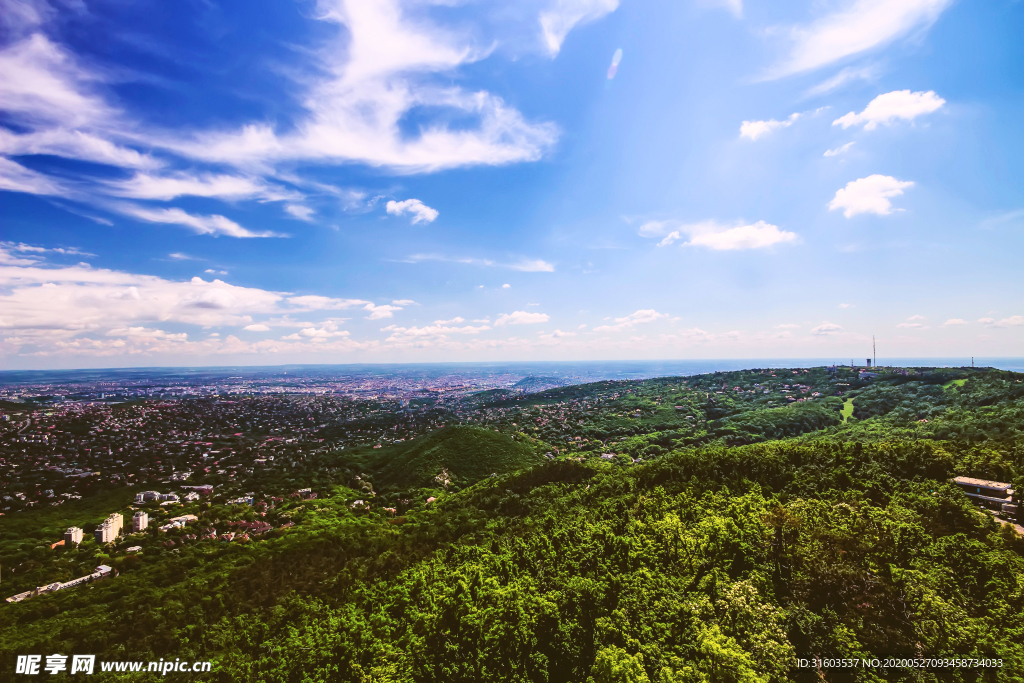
<point>692,532</point>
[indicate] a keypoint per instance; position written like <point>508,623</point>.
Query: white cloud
<point>379,312</point>
<point>420,212</point>
<point>843,77</point>
<point>756,236</point>
<point>74,144</point>
<point>955,321</point>
<point>77,298</point>
<point>521,318</point>
<point>506,286</point>
<point>384,62</point>
<point>911,325</point>
<point>563,15</point>
<point>786,326</point>
<point>40,82</point>
<point>533,266</point>
<point>317,335</point>
<point>826,328</point>
<point>856,27</point>
<point>404,302</point>
<point>303,213</point>
<point>202,225</point>
<point>179,256</point>
<point>714,235</point>
<point>842,149</point>
<point>16,178</point>
<point>1012,321</point>
<point>149,186</point>
<point>315,302</point>
<point>868,195</point>
<point>640,317</point>
<point>916,318</point>
<point>439,330</point>
<point>753,130</point>
<point>68,311</point>
<point>886,108</point>
<point>454,321</point>
<point>654,228</point>
<point>670,238</point>
<point>211,271</point>
<point>379,68</point>
<point>846,305</point>
<point>9,259</point>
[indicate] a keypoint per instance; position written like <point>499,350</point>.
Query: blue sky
<point>274,182</point>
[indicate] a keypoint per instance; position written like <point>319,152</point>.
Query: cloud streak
<point>854,28</point>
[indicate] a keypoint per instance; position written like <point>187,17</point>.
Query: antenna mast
<point>874,354</point>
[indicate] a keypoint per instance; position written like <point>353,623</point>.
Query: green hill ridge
<point>467,454</point>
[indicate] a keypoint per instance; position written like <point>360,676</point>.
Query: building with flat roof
<point>73,536</point>
<point>147,496</point>
<point>997,496</point>
<point>110,529</point>
<point>140,521</point>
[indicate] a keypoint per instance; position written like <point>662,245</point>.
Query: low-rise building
<point>995,495</point>
<point>147,496</point>
<point>177,522</point>
<point>100,572</point>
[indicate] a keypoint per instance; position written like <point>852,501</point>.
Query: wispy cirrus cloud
<point>202,225</point>
<point>385,61</point>
<point>377,70</point>
<point>853,28</point>
<point>562,15</point>
<point>525,265</point>
<point>640,317</point>
<point>220,186</point>
<point>842,149</point>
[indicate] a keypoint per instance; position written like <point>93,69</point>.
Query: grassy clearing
<point>847,411</point>
<point>955,383</point>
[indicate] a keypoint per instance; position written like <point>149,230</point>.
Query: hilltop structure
<point>994,495</point>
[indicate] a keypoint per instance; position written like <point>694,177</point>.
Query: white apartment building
<point>110,529</point>
<point>73,536</point>
<point>140,521</point>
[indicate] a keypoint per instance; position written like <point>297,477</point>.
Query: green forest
<point>702,529</point>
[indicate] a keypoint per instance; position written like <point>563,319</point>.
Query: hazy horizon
<point>620,366</point>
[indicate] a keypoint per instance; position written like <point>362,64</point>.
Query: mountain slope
<point>466,454</point>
